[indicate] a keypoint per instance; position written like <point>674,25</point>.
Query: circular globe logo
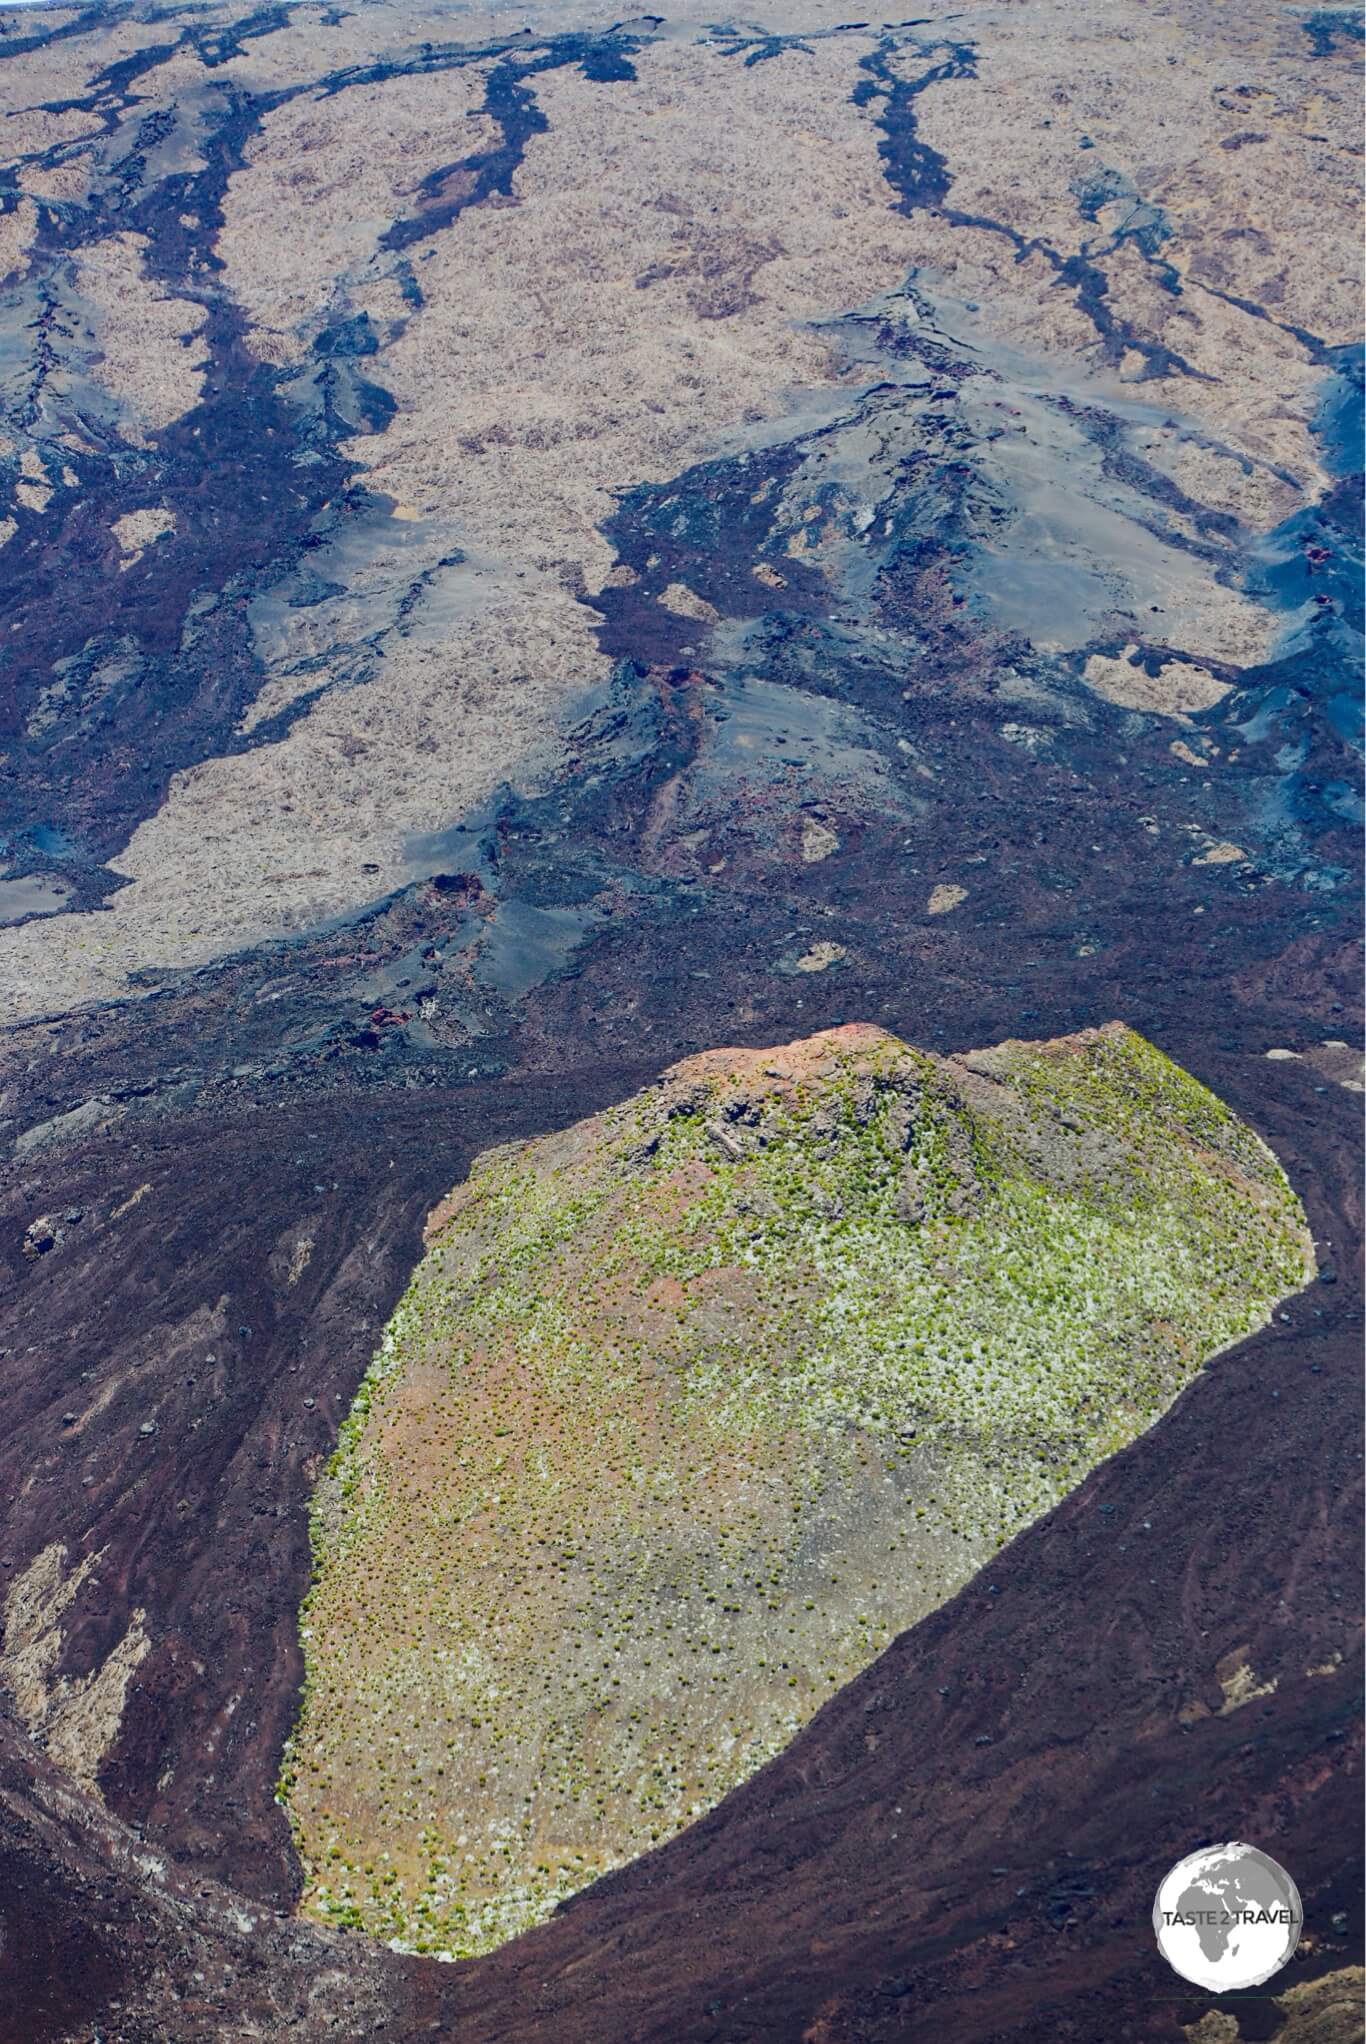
<point>1227,1917</point>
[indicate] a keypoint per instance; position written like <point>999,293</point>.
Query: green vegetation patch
<point>689,1409</point>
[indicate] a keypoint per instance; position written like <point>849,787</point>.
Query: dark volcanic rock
<point>840,761</point>
<point>888,1844</point>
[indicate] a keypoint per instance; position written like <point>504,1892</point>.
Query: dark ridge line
<point>1200,437</point>
<point>511,105</point>
<point>1320,353</point>
<point>243,404</point>
<point>919,174</point>
<point>1127,467</point>
<point>91,21</point>
<point>757,46</point>
<point>269,730</point>
<point>243,113</point>
<point>1324,26</point>
<point>1091,288</point>
<point>1100,428</point>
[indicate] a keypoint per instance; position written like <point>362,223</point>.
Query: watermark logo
<point>1227,1917</point>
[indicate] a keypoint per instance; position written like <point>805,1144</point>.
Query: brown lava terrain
<point>533,551</point>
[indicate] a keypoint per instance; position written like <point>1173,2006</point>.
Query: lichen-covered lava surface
<point>690,1409</point>
<point>535,548</point>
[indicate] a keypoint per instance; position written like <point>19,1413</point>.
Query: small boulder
<point>40,1236</point>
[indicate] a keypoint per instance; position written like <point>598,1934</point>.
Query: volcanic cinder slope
<point>690,1409</point>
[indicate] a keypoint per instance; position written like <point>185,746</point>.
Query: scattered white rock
<point>1178,687</point>
<point>685,602</point>
<point>818,842</point>
<point>1223,854</point>
<point>821,956</point>
<point>137,530</point>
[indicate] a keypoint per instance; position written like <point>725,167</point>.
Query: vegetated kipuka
<point>691,1407</point>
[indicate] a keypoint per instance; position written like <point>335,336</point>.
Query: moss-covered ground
<point>689,1409</point>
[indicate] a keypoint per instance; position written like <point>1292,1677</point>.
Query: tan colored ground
<point>755,196</point>
<point>344,168</point>
<point>649,291</point>
<point>78,1718</point>
<point>138,530</point>
<point>1178,687</point>
<point>1159,96</point>
<point>1323,2011</point>
<point>139,335</point>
